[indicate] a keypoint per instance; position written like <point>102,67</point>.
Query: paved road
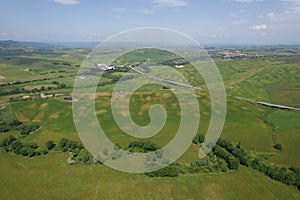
<point>267,104</point>
<point>163,80</point>
<point>283,107</point>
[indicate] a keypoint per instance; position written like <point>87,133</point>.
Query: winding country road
<point>283,107</point>
<point>163,80</point>
<point>266,104</point>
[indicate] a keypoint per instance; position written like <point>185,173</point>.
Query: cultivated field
<point>256,128</point>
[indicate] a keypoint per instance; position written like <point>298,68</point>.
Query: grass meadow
<point>274,80</point>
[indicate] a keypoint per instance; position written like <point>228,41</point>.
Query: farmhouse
<point>26,97</point>
<point>43,96</point>
<point>82,77</point>
<point>106,67</point>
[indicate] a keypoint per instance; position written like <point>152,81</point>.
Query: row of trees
<point>234,155</point>
<point>211,163</point>
<point>26,129</point>
<point>198,139</point>
<point>32,81</point>
<point>69,145</point>
<point>78,153</point>
<point>61,63</point>
<point>168,171</point>
<point>237,151</point>
<point>12,144</point>
<point>9,122</point>
<point>283,175</point>
<point>287,176</point>
<point>175,61</point>
<point>232,162</point>
<point>142,146</point>
<point>34,90</point>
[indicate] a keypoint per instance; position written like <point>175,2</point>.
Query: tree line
<point>32,81</point>
<point>235,155</point>
<point>14,145</point>
<point>288,176</point>
<point>9,122</point>
<point>78,153</point>
<point>34,90</point>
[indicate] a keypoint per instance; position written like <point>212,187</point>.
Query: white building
<point>106,67</point>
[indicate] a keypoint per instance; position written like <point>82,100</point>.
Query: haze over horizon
<point>209,22</point>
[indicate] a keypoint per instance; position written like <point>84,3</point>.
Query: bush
<point>27,129</point>
<point>44,152</point>
<point>69,145</point>
<point>198,139</point>
<point>63,142</point>
<point>50,144</point>
<point>16,146</point>
<point>232,162</point>
<point>85,157</point>
<point>7,141</point>
<point>278,146</point>
<point>142,146</point>
<point>31,145</point>
<point>4,128</point>
<point>169,171</point>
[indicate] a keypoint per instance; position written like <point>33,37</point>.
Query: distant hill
<point>76,44</point>
<point>12,43</point>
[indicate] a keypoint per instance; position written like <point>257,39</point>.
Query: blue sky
<point>208,21</point>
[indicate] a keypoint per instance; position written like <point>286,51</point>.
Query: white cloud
<point>169,3</point>
<point>292,1</point>
<point>67,2</point>
<point>159,4</point>
<point>239,21</point>
<point>291,13</point>
<point>119,9</point>
<point>248,1</point>
<point>259,27</point>
<point>148,11</point>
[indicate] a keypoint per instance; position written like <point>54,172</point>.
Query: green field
<point>53,178</point>
<point>254,127</point>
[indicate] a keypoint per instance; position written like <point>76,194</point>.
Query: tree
<point>169,171</point>
<point>44,151</point>
<point>62,85</point>
<point>221,165</point>
<point>4,128</point>
<point>16,146</point>
<point>85,157</point>
<point>63,142</point>
<point>278,146</point>
<point>142,146</point>
<point>198,139</point>
<point>7,141</point>
<point>31,145</point>
<point>27,129</point>
<point>233,163</point>
<point>50,144</point>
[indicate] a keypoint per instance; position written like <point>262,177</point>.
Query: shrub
<point>50,144</point>
<point>169,171</point>
<point>278,146</point>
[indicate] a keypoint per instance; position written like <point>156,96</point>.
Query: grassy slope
<point>55,117</point>
<point>52,178</point>
<point>288,134</point>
